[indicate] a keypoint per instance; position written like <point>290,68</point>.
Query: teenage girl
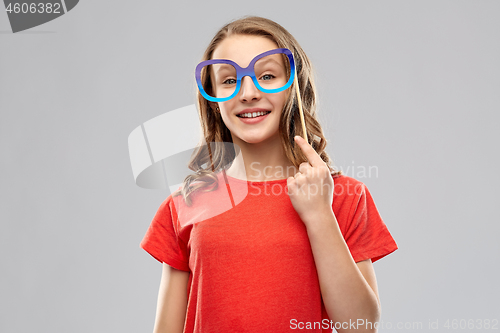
<point>296,250</point>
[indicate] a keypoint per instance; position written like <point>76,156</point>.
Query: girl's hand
<point>311,189</point>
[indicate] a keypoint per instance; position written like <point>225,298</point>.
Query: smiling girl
<point>294,246</point>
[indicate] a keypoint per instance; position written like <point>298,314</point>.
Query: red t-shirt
<point>251,263</point>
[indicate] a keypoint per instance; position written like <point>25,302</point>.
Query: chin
<point>255,141</point>
<point>258,139</point>
<point>252,140</point>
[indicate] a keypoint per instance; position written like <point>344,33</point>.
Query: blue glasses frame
<point>247,71</point>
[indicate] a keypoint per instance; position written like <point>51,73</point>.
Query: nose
<point>248,90</point>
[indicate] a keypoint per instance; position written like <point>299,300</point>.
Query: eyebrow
<point>223,67</point>
<point>270,60</point>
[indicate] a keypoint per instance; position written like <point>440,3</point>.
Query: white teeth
<point>253,114</point>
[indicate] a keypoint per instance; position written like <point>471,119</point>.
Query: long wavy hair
<point>212,156</point>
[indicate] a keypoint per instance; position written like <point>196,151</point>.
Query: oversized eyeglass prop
<point>271,72</point>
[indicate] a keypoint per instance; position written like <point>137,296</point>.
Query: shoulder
<point>167,207</point>
<point>168,201</point>
<point>345,186</point>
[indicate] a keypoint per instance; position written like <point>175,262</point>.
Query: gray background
<point>411,87</point>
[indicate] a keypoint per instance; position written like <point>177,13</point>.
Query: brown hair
<point>211,156</point>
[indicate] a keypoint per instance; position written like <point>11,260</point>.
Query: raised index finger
<point>311,154</point>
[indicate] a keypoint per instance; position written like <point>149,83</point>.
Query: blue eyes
<point>269,75</point>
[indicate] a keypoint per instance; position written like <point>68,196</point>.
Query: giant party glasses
<point>271,72</point>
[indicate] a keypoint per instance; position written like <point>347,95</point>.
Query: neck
<point>262,161</point>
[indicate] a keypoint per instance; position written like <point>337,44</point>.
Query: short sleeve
<point>367,235</point>
<point>161,239</point>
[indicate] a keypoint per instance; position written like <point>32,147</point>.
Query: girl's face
<point>242,49</point>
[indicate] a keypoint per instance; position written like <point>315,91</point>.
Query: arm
<point>172,301</point>
<point>349,289</point>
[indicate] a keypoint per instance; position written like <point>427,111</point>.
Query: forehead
<point>243,48</point>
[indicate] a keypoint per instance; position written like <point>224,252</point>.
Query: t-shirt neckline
<point>274,181</point>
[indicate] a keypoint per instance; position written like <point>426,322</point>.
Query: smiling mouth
<point>253,114</point>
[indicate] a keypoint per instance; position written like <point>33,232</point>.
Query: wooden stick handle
<point>299,99</point>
